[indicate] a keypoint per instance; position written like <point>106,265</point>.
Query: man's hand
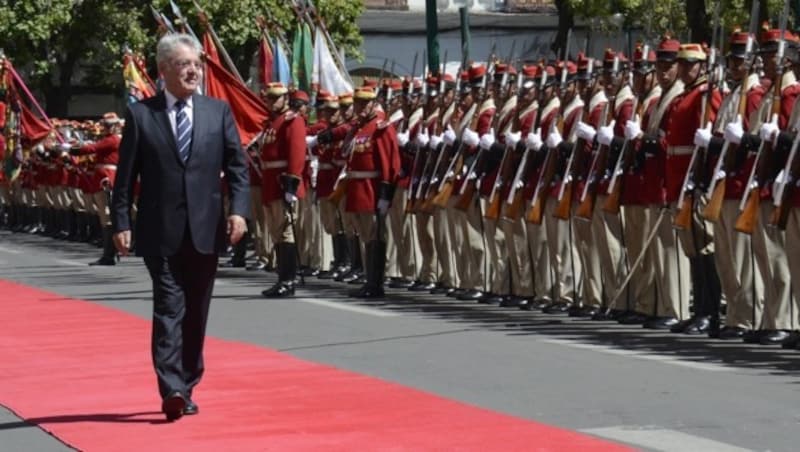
<point>236,228</point>
<point>122,241</point>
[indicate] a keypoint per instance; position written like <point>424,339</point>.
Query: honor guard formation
<point>656,188</point>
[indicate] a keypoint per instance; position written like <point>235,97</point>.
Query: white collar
<point>171,100</point>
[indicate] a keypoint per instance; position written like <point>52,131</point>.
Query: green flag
<point>464,13</point>
<point>432,27</point>
<point>302,57</point>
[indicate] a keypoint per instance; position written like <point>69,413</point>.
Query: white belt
<point>326,166</point>
<point>680,150</point>
<point>108,166</point>
<point>274,164</point>
<point>363,174</point>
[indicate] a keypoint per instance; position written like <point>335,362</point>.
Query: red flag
<point>249,110</point>
<point>33,128</point>
<point>210,48</point>
<point>265,62</point>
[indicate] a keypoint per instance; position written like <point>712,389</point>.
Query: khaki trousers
<point>673,279</point>
<point>793,255</point>
<point>608,230</point>
<point>312,249</point>
<point>427,248</point>
<point>518,257</point>
<point>564,259</point>
<point>741,285</point>
<point>769,245</point>
<point>495,238</point>
<point>445,251</point>
<point>473,247</point>
<point>101,207</point>
<point>278,222</point>
<point>263,242</point>
<point>541,275</point>
<point>402,252</point>
<point>588,247</point>
<point>462,259</point>
<point>641,295</point>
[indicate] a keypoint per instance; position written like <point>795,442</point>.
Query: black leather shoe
<point>325,274</point>
<point>257,267</point>
<point>681,325</point>
<point>660,323</point>
<point>279,290</point>
<point>310,272</point>
<point>367,292</point>
<point>606,315</point>
<point>732,332</point>
<point>490,298</point>
<point>471,295</point>
<point>778,337</point>
<point>556,308</point>
<point>457,293</point>
<point>352,276</point>
<point>513,301</point>
<point>754,336</point>
<point>400,283</point>
<point>585,312</point>
<point>191,408</point>
<point>232,264</point>
<point>700,325</point>
<point>441,290</point>
<point>362,279</point>
<point>104,261</point>
<point>792,343</point>
<point>173,405</point>
<point>420,286</point>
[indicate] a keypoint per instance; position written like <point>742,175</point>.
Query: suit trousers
<point>741,284</point>
<point>182,287</point>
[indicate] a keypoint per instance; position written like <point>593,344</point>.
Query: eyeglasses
<point>183,64</point>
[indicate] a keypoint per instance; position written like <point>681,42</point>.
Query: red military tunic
<point>504,123</point>
<point>375,159</point>
<point>682,121</point>
<point>106,152</point>
<point>572,114</point>
<point>527,119</point>
<point>484,125</point>
<point>643,185</point>
<point>549,116</point>
<point>622,113</point>
<point>597,106</point>
<point>283,152</point>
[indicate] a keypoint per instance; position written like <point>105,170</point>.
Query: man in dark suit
<point>177,144</point>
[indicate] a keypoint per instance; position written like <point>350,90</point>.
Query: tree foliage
<point>54,43</point>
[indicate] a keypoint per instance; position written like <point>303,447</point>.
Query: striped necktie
<point>183,131</point>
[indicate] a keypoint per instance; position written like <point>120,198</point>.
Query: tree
<point>57,43</point>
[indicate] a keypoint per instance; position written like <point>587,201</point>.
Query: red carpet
<point>82,372</point>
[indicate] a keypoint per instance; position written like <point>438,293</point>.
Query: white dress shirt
<point>172,113</point>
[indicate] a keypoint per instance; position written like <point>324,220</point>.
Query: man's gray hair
<point>168,43</point>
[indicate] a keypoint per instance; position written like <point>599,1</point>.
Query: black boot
<point>109,256</point>
<point>375,270</point>
<point>72,225</point>
<point>287,270</point>
<point>237,259</point>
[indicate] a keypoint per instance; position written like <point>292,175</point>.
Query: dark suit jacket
<point>173,194</point>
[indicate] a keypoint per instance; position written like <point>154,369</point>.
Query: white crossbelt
<point>340,163</point>
<point>680,150</point>
<point>326,166</point>
<point>363,174</point>
<point>274,164</point>
<point>108,166</point>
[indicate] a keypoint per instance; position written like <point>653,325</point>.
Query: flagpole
<point>331,45</point>
<point>217,42</point>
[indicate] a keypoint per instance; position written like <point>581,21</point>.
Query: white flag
<point>326,74</point>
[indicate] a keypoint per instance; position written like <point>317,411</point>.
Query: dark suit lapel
<point>161,118</point>
<point>199,123</point>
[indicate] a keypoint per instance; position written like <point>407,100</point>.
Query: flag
<point>136,86</point>
<point>210,49</point>
<point>326,74</point>
<point>282,71</point>
<point>249,111</point>
<point>302,54</point>
<point>432,29</point>
<point>265,62</point>
<point>32,127</point>
<point>464,14</point>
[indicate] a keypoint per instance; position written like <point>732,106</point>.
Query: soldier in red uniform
<point>106,156</point>
<point>372,172</point>
<point>283,157</point>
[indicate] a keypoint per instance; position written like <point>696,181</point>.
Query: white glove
<point>289,198</point>
<point>769,130</point>
<point>487,140</point>
<point>633,129</point>
<point>402,138</point>
<point>449,136</point>
<point>606,134</point>
<point>435,141</point>
<point>422,138</point>
<point>65,147</point>
<point>554,139</point>
<point>585,131</point>
<point>534,140</point>
<point>703,136</point>
<point>311,142</point>
<point>513,138</point>
<point>734,131</point>
<point>383,206</point>
<point>470,138</point>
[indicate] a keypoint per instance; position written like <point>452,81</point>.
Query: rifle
<point>599,164</point>
<point>683,218</point>
<point>562,209</point>
<point>751,200</point>
<point>783,188</point>
<point>624,161</point>
<point>536,212</point>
